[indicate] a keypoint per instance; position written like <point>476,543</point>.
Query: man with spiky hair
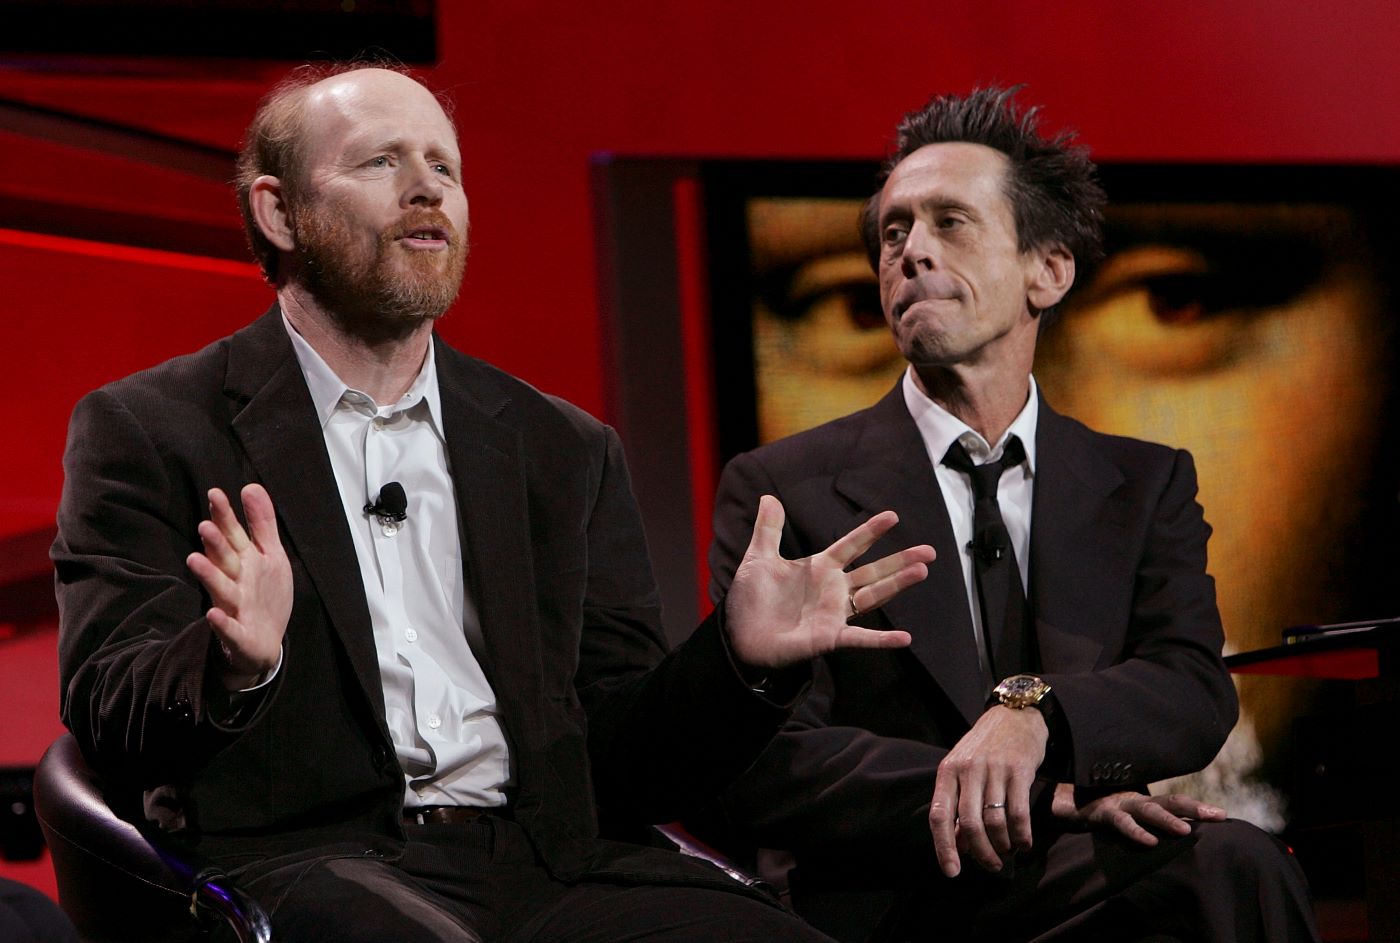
<point>989,781</point>
<point>371,624</point>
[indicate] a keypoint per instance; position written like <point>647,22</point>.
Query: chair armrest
<point>109,871</point>
<point>215,894</point>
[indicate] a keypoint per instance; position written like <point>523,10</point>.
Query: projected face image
<point>1245,335</point>
<point>1252,336</point>
<point>821,345</point>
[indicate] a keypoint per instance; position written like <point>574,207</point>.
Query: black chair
<point>118,883</point>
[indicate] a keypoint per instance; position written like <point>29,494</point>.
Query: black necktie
<point>999,589</point>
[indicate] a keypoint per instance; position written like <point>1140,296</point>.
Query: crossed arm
<point>981,783</point>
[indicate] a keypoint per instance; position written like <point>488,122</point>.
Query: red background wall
<point>541,86</point>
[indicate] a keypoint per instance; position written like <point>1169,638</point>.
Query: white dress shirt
<point>940,429</point>
<point>440,708</point>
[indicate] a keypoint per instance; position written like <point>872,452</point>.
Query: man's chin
<point>392,312</point>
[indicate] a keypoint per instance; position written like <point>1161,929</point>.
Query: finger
<point>943,820</point>
<point>1123,822</point>
<point>767,529</point>
<point>1190,808</point>
<point>875,595</point>
<point>994,820</point>
<point>1155,815</point>
<point>860,539</point>
<point>221,513</point>
<point>1018,807</point>
<point>222,590</point>
<point>971,820</point>
<point>228,629</point>
<point>262,517</point>
<point>217,550</point>
<point>891,564</point>
<point>853,636</point>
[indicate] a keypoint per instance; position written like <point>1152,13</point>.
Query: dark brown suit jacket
<point>1124,614</point>
<point>554,559</point>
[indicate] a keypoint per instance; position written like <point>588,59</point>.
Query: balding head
<point>279,137</point>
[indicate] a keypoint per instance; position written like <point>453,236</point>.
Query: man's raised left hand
<point>781,612</point>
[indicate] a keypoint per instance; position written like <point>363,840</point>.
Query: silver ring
<point>994,805</point>
<point>851,601</point>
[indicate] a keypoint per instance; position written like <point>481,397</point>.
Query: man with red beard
<point>393,701</point>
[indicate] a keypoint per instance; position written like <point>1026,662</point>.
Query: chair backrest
<point>112,882</point>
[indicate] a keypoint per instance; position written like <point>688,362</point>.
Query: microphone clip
<point>391,507</point>
<point>986,549</point>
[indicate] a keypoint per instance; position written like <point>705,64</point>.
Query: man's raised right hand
<point>249,580</point>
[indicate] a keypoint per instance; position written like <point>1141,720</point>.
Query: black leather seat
<point>117,883</point>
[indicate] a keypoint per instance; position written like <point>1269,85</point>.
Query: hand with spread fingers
<point>780,612</point>
<point>1132,814</point>
<point>249,580</point>
<point>981,794</point>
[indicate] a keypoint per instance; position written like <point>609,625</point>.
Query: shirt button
<point>434,721</point>
<point>411,635</point>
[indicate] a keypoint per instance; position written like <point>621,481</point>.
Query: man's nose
<point>918,254</point>
<point>423,186</point>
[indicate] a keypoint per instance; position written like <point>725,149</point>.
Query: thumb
<point>767,529</point>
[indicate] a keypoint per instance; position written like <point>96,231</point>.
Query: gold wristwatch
<point>1021,691</point>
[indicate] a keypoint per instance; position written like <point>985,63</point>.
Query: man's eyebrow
<point>944,203</point>
<point>437,150</point>
<point>936,203</point>
<point>367,145</point>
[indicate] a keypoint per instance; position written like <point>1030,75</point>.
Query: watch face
<point>1022,690</point>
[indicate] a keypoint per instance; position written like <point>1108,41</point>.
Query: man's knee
<point>26,916</point>
<point>1238,848</point>
<point>356,900</point>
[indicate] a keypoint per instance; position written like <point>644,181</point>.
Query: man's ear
<point>269,209</point>
<point>1051,279</point>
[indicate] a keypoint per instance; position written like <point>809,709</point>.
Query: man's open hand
<point>1131,814</point>
<point>249,580</point>
<point>780,612</point>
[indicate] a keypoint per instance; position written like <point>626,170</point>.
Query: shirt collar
<point>327,389</point>
<point>940,428</point>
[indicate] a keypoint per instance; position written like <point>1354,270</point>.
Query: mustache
<point>435,221</point>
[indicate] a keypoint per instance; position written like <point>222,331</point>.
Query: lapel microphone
<point>391,507</point>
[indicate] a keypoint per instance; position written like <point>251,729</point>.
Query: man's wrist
<point>235,681</point>
<point>1032,693</point>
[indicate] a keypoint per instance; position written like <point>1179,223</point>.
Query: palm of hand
<point>780,612</point>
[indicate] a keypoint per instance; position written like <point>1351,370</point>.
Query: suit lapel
<point>1075,544</point>
<point>488,474</point>
<point>891,470</point>
<point>281,435</point>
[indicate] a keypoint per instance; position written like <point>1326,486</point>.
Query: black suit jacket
<point>554,559</point>
<point>1124,612</point>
